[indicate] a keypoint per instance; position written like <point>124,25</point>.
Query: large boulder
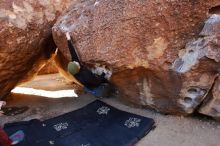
<point>152,48</point>
<point>26,42</point>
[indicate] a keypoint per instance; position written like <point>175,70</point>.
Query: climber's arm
<point>72,50</point>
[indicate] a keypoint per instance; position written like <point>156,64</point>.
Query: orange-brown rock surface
<point>49,68</point>
<point>153,48</point>
<point>25,38</point>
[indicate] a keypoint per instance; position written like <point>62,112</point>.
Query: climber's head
<point>73,67</point>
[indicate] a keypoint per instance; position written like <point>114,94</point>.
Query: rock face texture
<point>49,68</point>
<point>211,32</point>
<point>25,38</point>
<point>211,105</point>
<point>153,48</point>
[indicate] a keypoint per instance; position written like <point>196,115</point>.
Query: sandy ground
<point>170,130</point>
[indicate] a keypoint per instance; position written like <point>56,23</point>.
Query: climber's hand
<point>2,103</point>
<point>68,36</point>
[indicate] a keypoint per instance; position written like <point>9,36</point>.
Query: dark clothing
<point>88,79</point>
<point>85,76</point>
<point>73,52</point>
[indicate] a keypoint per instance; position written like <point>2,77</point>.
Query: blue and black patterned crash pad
<point>97,124</point>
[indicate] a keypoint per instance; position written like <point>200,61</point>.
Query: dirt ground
<point>170,130</point>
